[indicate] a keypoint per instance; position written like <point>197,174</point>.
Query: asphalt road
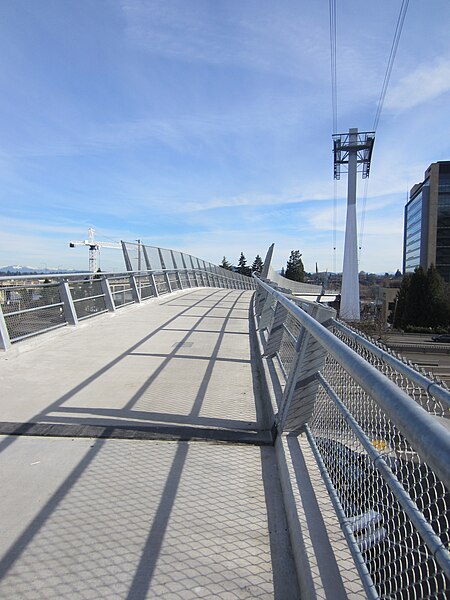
<point>420,349</point>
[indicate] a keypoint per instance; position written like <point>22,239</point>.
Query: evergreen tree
<point>438,300</point>
<point>295,270</point>
<point>257,264</point>
<point>400,302</point>
<point>225,264</point>
<point>242,265</point>
<point>416,307</point>
<point>422,301</point>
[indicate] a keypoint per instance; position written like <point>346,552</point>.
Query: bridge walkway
<point>136,459</point>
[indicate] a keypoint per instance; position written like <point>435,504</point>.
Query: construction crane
<point>94,247</point>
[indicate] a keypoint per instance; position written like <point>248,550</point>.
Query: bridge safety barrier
<point>377,428</point>
<point>35,304</point>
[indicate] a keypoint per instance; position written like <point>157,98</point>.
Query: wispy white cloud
<point>255,200</point>
<point>427,82</point>
<point>233,35</point>
<point>205,125</point>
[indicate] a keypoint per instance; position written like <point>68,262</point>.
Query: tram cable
<point>334,102</point>
<point>332,5</point>
<point>333,65</point>
<point>384,87</point>
<point>394,47</point>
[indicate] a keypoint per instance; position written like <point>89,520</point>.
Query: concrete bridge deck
<point>143,467</point>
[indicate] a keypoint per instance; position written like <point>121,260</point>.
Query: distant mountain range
<point>20,270</point>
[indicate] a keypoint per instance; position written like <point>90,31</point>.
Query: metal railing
<point>377,428</point>
<point>34,304</point>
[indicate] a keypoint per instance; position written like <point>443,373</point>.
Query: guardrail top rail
<point>385,456</point>
<point>34,304</point>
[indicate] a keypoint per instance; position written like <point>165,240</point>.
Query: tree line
<point>242,267</point>
<point>423,300</point>
<point>294,270</point>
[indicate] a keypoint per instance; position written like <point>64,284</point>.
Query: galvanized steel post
<point>5,342</point>
<point>68,304</point>
<point>155,287</point>
<point>134,290</point>
<point>166,275</point>
<point>106,289</point>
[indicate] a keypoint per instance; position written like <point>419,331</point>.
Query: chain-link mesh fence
<point>398,560</point>
<point>31,309</point>
<point>146,287</point>
<point>122,291</point>
<point>397,508</point>
<point>88,298</point>
<point>174,281</point>
<point>141,257</point>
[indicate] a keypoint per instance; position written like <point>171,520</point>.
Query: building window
<point>413,233</point>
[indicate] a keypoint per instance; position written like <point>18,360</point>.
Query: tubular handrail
<point>430,439</point>
<point>100,292</point>
<point>117,274</point>
<point>426,531</point>
<point>431,387</point>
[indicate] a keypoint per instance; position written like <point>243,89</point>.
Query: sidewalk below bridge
<point>137,460</point>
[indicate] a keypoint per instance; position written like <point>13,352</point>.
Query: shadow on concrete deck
<point>144,518</point>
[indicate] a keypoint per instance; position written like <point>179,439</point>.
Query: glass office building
<point>427,222</point>
<point>443,223</point>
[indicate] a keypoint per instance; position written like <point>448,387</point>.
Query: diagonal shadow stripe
<point>34,527</point>
<point>176,433</point>
<point>6,442</point>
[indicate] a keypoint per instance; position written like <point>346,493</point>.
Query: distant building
<point>386,300</point>
<point>427,222</point>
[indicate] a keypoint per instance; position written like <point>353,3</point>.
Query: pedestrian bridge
<point>213,437</point>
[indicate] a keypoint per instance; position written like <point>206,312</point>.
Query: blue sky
<point>205,125</point>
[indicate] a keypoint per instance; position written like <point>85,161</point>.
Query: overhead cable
<point>363,218</point>
<point>332,5</point>
<point>334,224</point>
<point>333,63</point>
<point>387,76</point>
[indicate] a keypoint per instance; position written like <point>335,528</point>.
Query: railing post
<point>265,312</point>
<point>155,287</point>
<point>109,300</point>
<point>301,388</point>
<point>177,273</point>
<point>68,304</point>
<point>134,290</point>
<point>188,278</point>
<point>5,342</point>
<point>260,299</point>
<point>301,378</point>
<point>166,275</point>
<point>276,330</point>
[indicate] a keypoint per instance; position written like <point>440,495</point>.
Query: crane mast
<point>94,247</point>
